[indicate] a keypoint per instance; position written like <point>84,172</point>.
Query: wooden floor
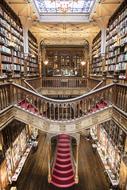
<point>34,173</point>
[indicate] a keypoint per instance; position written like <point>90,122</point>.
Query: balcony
<point>64,86</point>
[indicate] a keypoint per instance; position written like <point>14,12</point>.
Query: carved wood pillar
<point>49,162</point>
<point>76,169</point>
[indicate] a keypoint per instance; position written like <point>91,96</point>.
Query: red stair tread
<point>63,156</point>
<point>64,149</point>
<point>63,172</point>
<point>63,144</point>
<point>63,141</point>
<point>63,159</point>
<point>63,166</point>
<point>63,181</point>
<point>62,162</point>
<point>63,186</point>
<point>60,154</point>
<point>63,178</point>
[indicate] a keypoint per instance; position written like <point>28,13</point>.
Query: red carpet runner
<point>63,174</point>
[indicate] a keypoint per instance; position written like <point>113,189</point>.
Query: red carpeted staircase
<point>62,173</point>
<point>25,104</point>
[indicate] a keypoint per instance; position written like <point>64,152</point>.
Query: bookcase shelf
<point>11,45</point>
<point>116,46</point>
<point>32,67</point>
<point>116,43</point>
<point>11,41</point>
<point>110,140</point>
<point>96,66</point>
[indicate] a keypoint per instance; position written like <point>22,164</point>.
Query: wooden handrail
<point>70,109</point>
<point>67,100</point>
<point>97,86</point>
<point>30,87</point>
<point>35,83</point>
<point>92,83</point>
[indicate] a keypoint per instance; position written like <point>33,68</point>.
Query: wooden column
<point>76,169</point>
<point>49,162</point>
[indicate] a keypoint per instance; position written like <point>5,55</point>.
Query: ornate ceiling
<point>64,6</point>
<point>63,33</point>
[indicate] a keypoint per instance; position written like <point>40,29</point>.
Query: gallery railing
<point>34,82</point>
<point>59,110</point>
<point>28,85</point>
<point>64,82</point>
<point>92,83</point>
<point>99,85</point>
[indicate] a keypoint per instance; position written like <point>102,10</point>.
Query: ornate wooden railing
<point>36,83</point>
<point>99,85</point>
<point>92,83</point>
<point>27,85</point>
<point>61,110</point>
<point>64,82</point>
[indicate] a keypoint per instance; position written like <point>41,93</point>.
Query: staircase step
<point>23,105</point>
<point>63,151</point>
<point>64,137</point>
<point>63,146</point>
<point>59,155</point>
<point>63,173</point>
<point>63,180</point>
<point>63,161</point>
<point>63,186</point>
<point>63,167</point>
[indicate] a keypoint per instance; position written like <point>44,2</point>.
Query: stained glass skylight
<point>64,6</point>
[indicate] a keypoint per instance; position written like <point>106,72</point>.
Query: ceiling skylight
<point>64,6</point>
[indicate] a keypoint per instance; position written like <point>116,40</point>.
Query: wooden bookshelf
<point>11,42</point>
<point>110,140</point>
<point>96,66</point>
<point>116,43</point>
<point>116,136</point>
<point>11,46</point>
<point>32,66</point>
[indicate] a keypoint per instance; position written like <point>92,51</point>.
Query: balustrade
<point>5,96</point>
<point>93,83</point>
<point>64,82</point>
<point>35,82</point>
<point>27,85</point>
<point>121,97</point>
<point>63,110</point>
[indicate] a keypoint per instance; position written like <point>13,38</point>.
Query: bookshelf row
<point>11,45</point>
<point>110,140</point>
<point>116,46</point>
